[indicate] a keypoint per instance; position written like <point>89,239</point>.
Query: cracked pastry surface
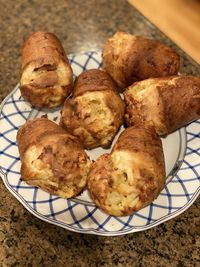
<point>166,103</point>
<point>52,159</point>
<point>129,58</point>
<point>95,112</point>
<point>132,176</point>
<point>47,77</point>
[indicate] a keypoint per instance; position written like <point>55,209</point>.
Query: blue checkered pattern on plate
<point>80,214</point>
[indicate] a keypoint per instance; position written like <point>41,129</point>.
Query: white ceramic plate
<point>182,158</point>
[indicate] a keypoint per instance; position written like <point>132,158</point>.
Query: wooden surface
<point>178,19</point>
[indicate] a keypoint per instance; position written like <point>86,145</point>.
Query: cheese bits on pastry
<point>52,159</point>
<point>47,77</point>
<point>132,176</point>
<point>95,112</point>
<point>165,103</point>
<point>129,58</point>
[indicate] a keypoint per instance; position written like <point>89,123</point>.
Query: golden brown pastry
<point>129,58</point>
<point>46,78</point>
<point>52,159</point>
<point>132,176</point>
<point>95,112</point>
<point>166,103</point>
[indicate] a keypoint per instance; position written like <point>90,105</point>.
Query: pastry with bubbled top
<point>129,58</point>
<point>132,176</point>
<point>95,112</point>
<point>166,103</point>
<point>52,159</point>
<point>47,77</point>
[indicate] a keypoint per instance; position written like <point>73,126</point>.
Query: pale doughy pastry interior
<point>53,78</point>
<point>39,172</point>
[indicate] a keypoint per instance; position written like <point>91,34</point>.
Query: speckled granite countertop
<point>24,239</point>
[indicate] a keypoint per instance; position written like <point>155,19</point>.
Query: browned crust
<point>72,118</point>
<point>43,48</point>
<point>143,59</point>
<point>103,169</point>
<point>178,103</point>
<point>93,80</point>
<point>144,145</point>
<point>141,139</point>
<point>181,102</point>
<point>33,130</point>
<point>149,58</point>
<point>44,52</point>
<point>64,155</point>
<point>60,152</point>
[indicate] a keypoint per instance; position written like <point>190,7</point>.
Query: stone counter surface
<point>28,241</point>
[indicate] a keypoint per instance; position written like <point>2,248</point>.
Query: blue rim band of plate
<point>91,230</point>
